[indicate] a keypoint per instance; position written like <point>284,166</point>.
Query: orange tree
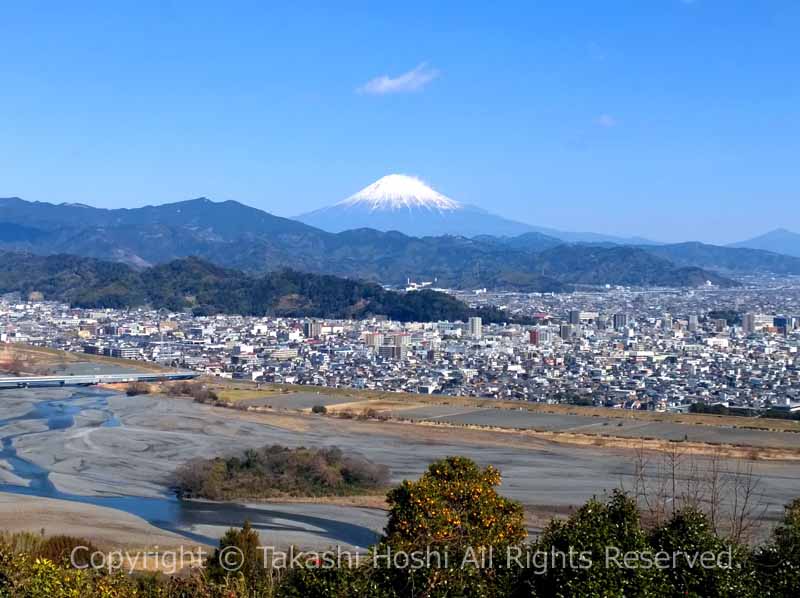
<point>459,527</point>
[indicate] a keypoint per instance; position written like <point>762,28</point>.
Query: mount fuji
<point>406,204</point>
<point>403,203</point>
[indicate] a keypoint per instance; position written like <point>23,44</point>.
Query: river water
<point>166,512</point>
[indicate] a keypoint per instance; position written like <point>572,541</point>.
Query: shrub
<point>249,564</point>
<point>137,388</point>
<point>689,533</point>
<point>196,390</point>
<point>778,563</point>
<point>321,409</point>
<point>588,532</point>
<point>59,549</point>
<point>279,471</point>
<point>340,582</point>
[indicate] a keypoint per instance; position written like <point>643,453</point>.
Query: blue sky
<point>671,119</point>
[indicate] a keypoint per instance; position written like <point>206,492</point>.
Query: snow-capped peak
<point>396,191</point>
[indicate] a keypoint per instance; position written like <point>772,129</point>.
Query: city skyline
<point>626,119</point>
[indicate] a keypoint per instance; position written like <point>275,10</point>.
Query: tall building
<point>574,316</point>
<point>694,323</point>
<point>476,327</point>
<point>373,340</point>
<point>401,340</point>
<point>748,323</point>
<point>781,323</point>
<point>534,336</point>
<point>395,351</point>
<point>312,329</point>
<point>620,321</point>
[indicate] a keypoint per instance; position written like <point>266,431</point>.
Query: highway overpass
<point>91,380</point>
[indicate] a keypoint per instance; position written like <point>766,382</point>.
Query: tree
<point>778,563</point>
<point>584,555</point>
<point>728,492</point>
<point>239,557</point>
<point>455,518</point>
<point>702,564</point>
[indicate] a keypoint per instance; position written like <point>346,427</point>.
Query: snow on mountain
<point>399,202</point>
<point>397,191</point>
<point>406,204</point>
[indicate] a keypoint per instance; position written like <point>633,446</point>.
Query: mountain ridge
<point>235,235</point>
<point>205,289</point>
<point>779,240</point>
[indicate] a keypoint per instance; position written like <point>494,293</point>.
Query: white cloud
<point>606,120</point>
<point>413,80</point>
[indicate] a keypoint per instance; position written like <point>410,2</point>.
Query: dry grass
<point>382,402</point>
<point>361,406</point>
<point>403,400</point>
<point>236,395</point>
<point>647,444</point>
<point>293,423</point>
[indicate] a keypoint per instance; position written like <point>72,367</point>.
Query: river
<point>324,525</point>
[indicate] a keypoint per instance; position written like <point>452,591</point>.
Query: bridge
<point>91,380</point>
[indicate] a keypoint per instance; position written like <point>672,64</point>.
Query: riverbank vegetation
<point>455,509</point>
<point>198,391</point>
<point>134,389</point>
<point>275,471</point>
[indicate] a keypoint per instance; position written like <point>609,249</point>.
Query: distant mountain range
<point>405,204</point>
<point>237,236</point>
<point>234,235</point>
<point>779,240</point>
<point>196,285</point>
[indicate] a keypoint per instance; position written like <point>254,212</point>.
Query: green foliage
<point>778,563</point>
<point>25,576</point>
<point>453,509</point>
<point>452,512</point>
<point>280,471</point>
<point>193,284</point>
<point>455,503</point>
<point>240,557</point>
<point>584,539</point>
<point>362,582</point>
<point>727,573</point>
<point>710,409</point>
